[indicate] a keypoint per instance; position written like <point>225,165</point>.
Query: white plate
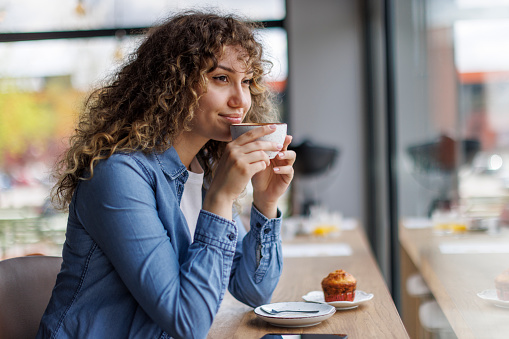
<point>490,296</point>
<point>360,297</point>
<point>290,319</point>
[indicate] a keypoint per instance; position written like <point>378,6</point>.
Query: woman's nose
<point>239,97</point>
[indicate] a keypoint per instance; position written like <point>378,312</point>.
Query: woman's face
<point>226,99</point>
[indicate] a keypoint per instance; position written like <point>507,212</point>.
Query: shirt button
<point>258,225</point>
<point>231,236</point>
<point>266,231</point>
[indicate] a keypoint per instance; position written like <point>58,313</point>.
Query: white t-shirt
<point>191,202</point>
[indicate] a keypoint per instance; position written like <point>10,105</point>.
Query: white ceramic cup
<point>278,136</point>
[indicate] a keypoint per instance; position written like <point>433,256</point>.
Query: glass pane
<point>453,147</point>
<point>42,86</point>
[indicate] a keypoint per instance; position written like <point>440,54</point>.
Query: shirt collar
<point>170,163</point>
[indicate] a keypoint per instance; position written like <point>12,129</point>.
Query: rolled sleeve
<point>216,231</point>
<point>267,233</point>
<point>258,261</point>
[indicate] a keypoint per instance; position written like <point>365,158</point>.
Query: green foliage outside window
<point>36,121</point>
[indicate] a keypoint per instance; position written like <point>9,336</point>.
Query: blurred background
<point>402,105</point>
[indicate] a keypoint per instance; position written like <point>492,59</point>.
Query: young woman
<point>148,253</point>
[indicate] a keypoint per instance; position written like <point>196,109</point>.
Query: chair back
<point>26,284</point>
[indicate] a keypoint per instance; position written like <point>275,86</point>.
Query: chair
<point>434,321</point>
<point>417,287</point>
<point>26,284</point>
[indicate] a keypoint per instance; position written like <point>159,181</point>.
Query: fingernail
<point>279,146</point>
<point>281,155</point>
<point>272,126</point>
<point>276,169</point>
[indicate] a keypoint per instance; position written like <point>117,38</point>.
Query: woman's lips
<point>233,119</point>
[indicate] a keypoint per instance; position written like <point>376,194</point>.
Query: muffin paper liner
<point>503,294</point>
<point>349,296</point>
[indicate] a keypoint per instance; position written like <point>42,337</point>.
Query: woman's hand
<point>243,158</point>
<point>270,184</point>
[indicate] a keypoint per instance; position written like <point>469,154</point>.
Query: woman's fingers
<point>246,160</point>
<point>288,140</point>
<point>254,134</point>
<point>255,149</point>
<point>285,164</point>
<point>285,154</point>
<point>284,160</point>
<point>260,145</point>
<point>253,158</point>
<point>284,170</point>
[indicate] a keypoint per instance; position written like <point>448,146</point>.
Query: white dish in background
<point>290,319</point>
<point>360,297</point>
<point>491,297</point>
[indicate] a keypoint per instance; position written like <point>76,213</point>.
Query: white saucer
<point>290,319</point>
<point>360,297</point>
<point>490,296</point>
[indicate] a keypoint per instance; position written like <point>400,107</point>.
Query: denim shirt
<point>130,268</point>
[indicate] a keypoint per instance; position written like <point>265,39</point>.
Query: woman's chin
<point>223,138</point>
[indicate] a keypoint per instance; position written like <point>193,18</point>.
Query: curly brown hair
<point>152,99</point>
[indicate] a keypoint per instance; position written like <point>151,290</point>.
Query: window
<point>43,83</point>
<point>453,149</point>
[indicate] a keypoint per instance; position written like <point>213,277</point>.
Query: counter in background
<point>457,268</point>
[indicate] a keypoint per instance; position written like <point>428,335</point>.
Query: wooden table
<point>456,268</point>
<point>377,318</point>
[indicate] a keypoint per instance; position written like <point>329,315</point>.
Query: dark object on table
<point>436,164</point>
<point>311,162</point>
<point>313,159</point>
<point>441,155</point>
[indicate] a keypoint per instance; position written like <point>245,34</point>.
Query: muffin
<point>339,286</point>
<point>502,285</point>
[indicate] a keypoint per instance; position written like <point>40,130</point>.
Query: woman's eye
<point>248,82</point>
<point>222,78</point>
